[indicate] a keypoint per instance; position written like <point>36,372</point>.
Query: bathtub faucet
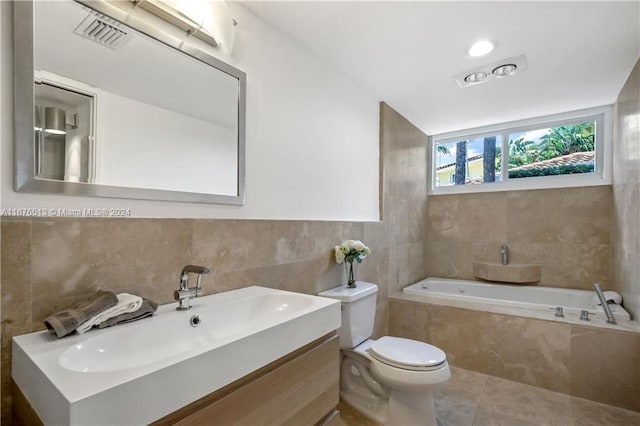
<point>184,294</point>
<point>504,252</point>
<point>605,305</point>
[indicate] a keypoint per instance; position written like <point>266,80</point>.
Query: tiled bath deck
<point>475,399</point>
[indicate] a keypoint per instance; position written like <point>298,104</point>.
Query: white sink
<point>166,338</point>
<point>139,372</point>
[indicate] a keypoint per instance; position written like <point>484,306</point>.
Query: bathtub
<point>529,301</point>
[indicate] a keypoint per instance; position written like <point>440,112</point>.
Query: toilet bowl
<point>392,379</point>
<point>388,391</point>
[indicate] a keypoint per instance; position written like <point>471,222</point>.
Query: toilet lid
<point>407,354</point>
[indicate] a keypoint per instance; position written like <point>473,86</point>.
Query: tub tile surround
<point>605,366</point>
<point>566,230</point>
<point>530,351</point>
<point>598,364</point>
<point>47,265</point>
<point>626,193</point>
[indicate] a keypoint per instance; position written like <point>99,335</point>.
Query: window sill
<point>523,184</point>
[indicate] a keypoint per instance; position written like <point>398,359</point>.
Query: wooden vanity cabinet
<point>301,388</point>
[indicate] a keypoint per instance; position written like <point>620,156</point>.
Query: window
<point>468,161</point>
<point>554,151</point>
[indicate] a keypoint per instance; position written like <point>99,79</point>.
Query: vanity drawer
<point>299,388</point>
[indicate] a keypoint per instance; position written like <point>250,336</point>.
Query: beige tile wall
<point>596,364</point>
<point>567,231</point>
<point>47,265</point>
<point>626,193</point>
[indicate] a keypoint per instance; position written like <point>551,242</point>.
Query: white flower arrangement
<point>350,251</point>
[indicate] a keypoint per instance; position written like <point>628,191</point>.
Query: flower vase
<point>351,274</point>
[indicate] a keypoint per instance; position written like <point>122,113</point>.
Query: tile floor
<point>474,399</point>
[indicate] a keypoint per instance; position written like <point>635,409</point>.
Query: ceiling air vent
<point>104,31</point>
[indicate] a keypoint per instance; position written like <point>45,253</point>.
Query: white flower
<point>351,251</point>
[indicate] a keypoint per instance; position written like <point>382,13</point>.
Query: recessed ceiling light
<point>504,70</point>
<point>480,48</point>
<point>476,77</point>
<point>497,71</point>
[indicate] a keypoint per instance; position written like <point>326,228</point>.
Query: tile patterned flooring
<point>475,399</point>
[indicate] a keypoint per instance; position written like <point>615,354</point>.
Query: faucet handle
<point>195,269</point>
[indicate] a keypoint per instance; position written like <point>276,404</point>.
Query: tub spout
<point>605,305</point>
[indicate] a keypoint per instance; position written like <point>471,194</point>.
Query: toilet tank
<point>358,312</point>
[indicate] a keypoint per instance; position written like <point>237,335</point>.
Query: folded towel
<point>67,321</point>
<point>126,303</point>
<point>146,310</point>
<point>609,296</point>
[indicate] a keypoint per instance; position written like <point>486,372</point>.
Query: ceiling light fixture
<point>476,77</point>
<point>497,70</point>
<point>480,48</point>
<point>190,20</point>
<point>208,21</point>
<point>504,70</point>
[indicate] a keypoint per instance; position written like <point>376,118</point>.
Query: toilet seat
<point>407,354</point>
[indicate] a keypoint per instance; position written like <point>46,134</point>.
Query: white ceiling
<point>579,54</point>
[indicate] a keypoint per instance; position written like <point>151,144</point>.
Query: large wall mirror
<point>111,106</point>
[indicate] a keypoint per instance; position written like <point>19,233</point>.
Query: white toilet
<point>392,379</point>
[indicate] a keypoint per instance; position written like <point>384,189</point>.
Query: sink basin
<point>512,273</point>
<point>150,368</point>
<point>165,338</point>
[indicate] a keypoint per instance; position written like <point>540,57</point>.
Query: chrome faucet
<point>504,253</point>
<point>605,305</point>
<point>184,294</point>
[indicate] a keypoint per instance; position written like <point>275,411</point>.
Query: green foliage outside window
<point>564,169</point>
<point>562,140</point>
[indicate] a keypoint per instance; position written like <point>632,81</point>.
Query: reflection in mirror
<point>63,134</point>
<point>119,113</point>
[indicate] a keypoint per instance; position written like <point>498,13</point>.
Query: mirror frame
<point>24,147</point>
